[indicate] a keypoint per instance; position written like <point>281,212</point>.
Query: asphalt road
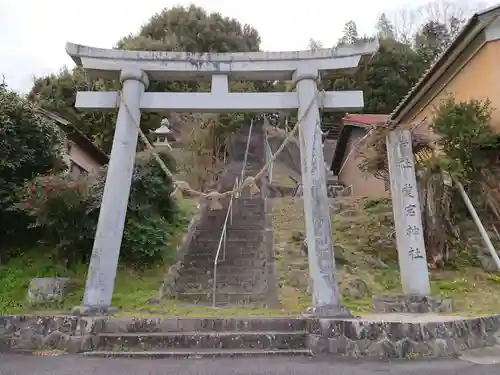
<point>77,365</point>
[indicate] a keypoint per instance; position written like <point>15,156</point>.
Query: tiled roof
<point>469,26</point>
<point>365,120</point>
<point>75,135</point>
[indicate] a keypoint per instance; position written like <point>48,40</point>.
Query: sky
<point>33,33</point>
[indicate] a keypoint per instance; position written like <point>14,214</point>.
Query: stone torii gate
<point>135,69</point>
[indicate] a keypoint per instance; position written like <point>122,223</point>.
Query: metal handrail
<point>223,241</point>
<point>229,217</point>
<point>246,152</point>
<point>269,155</point>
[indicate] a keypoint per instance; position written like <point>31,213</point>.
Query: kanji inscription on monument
<point>410,210</point>
<point>415,253</point>
<point>407,216</point>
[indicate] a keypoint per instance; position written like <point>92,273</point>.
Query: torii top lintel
<point>108,63</point>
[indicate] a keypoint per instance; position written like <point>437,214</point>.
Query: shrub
<point>29,146</point>
<point>68,211</point>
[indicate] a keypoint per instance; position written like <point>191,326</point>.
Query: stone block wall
<point>324,337</point>
<point>400,339</point>
<point>69,333</point>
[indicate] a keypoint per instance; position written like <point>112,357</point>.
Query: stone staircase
<point>244,275</point>
<point>241,276</point>
<point>192,337</point>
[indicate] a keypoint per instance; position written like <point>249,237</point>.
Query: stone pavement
<point>15,364</point>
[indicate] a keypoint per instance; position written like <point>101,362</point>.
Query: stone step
<point>231,230</point>
<point>170,324</point>
<point>236,249</point>
<point>210,353</point>
<point>249,202</point>
<point>223,298</point>
<point>208,262</point>
<point>241,222</point>
<point>225,285</point>
<point>242,209</point>
<point>200,251</point>
<point>206,268</point>
<point>206,253</point>
<point>194,282</point>
<point>221,268</point>
<point>201,340</point>
<point>239,239</point>
<point>237,225</point>
<point>238,213</point>
<point>222,273</point>
<point>235,245</point>
<point>245,201</point>
<point>245,209</point>
<point>248,239</point>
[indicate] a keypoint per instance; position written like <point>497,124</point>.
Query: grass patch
<point>364,246</point>
<point>365,249</point>
<point>281,175</point>
<point>132,287</point>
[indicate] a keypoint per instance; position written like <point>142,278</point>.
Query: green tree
<point>314,44</point>
<point>29,146</point>
<point>187,29</point>
<point>431,41</point>
<point>350,34</point>
<point>192,29</point>
<point>389,77</point>
<point>465,136</point>
<point>385,29</point>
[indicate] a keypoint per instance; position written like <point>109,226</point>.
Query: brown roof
<point>364,120</point>
<point>76,136</point>
<point>478,22</point>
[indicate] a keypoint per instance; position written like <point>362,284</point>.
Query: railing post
<point>224,246</point>
<point>215,283</point>
<point>231,213</point>
<point>269,155</point>
<point>246,152</point>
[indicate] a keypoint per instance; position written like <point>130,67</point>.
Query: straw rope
<point>214,196</point>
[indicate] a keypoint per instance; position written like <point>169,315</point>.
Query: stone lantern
<point>163,135</point>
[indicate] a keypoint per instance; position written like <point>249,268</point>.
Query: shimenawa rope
<point>214,196</point>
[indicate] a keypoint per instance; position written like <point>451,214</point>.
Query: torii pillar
<point>326,293</point>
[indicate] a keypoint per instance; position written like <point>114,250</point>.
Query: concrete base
<point>329,311</point>
<point>411,304</point>
<point>94,310</point>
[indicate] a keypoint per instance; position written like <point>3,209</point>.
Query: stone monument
<point>409,234</point>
